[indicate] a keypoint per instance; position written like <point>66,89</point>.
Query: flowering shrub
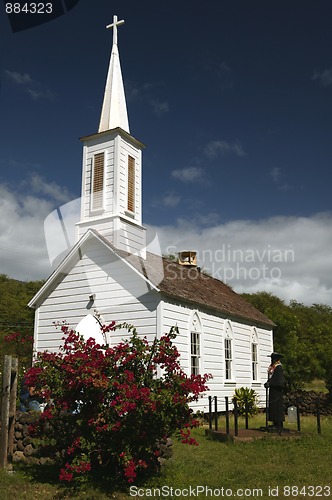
<point>111,405</point>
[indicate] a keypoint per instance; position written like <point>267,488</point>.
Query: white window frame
<point>254,363</point>
<point>93,193</point>
<point>228,353</point>
<point>195,344</point>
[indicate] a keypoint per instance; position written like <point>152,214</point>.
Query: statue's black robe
<point>276,384</point>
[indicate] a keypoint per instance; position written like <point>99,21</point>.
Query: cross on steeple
<point>115,25</point>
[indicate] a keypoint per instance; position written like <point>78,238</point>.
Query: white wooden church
<point>109,275</point>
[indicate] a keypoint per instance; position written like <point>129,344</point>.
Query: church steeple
<point>114,110</point>
<point>112,169</point>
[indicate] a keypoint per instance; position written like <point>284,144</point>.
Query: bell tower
<point>111,201</point>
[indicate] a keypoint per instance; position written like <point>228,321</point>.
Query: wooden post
<point>5,402</point>
<point>227,415</point>
<point>236,423</point>
<point>210,412</point>
<point>298,417</point>
<point>266,408</point>
<point>12,406</point>
<point>215,413</point>
<point>247,415</point>
<point>319,429</point>
<point>8,409</point>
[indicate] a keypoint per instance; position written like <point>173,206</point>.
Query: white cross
<point>115,25</point>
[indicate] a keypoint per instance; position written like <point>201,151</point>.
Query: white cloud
<point>137,91</point>
<point>23,252</point>
<point>288,256</point>
<point>39,185</point>
<point>188,174</point>
<point>40,93</point>
<point>216,148</point>
<point>159,107</point>
<point>323,77</point>
<point>169,200</point>
<point>12,163</point>
<point>35,89</point>
<point>142,93</point>
<point>275,174</point>
<point>19,78</point>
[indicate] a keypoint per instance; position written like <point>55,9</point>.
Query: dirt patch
<point>247,435</point>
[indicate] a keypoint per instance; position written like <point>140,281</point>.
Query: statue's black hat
<point>276,355</point>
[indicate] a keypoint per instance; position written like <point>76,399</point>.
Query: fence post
<point>267,408</point>
<point>210,412</point>
<point>227,415</point>
<point>298,416</point>
<point>247,415</point>
<point>319,429</point>
<point>5,400</point>
<point>12,406</point>
<point>215,413</point>
<point>236,425</point>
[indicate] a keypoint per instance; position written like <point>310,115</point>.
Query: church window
<point>228,359</point>
<point>195,345</point>
<point>131,184</point>
<point>98,182</point>
<point>228,352</point>
<point>254,356</point>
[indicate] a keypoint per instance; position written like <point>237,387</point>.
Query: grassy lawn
<point>316,385</point>
<point>259,465</point>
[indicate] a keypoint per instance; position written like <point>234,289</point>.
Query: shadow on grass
<point>97,485</point>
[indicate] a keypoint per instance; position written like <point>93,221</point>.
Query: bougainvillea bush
<point>110,406</point>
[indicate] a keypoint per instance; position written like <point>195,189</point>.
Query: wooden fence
<point>8,408</point>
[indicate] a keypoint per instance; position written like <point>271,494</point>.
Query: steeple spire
<point>114,110</point>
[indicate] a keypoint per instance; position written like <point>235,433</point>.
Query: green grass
<point>316,385</point>
<point>306,461</point>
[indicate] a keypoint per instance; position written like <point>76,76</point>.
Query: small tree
<point>110,405</point>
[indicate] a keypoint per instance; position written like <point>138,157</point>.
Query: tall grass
<point>317,385</point>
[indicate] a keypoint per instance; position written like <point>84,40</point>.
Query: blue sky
<point>234,102</point>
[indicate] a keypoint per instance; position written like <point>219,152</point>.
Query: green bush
<point>246,400</point>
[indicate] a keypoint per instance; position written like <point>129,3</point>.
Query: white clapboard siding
<point>125,298</point>
<point>212,351</point>
<point>104,225</point>
<point>130,238</point>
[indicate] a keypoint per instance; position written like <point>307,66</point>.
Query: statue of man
<point>275,384</point>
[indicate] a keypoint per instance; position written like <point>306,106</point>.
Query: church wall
<point>104,226</point>
<point>212,351</point>
<point>121,295</point>
<point>130,238</point>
